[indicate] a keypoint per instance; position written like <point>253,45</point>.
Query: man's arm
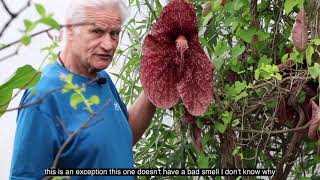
<point>140,115</point>
<point>36,143</point>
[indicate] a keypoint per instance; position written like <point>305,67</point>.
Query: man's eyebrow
<point>95,26</point>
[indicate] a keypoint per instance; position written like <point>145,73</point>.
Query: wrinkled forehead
<point>104,17</point>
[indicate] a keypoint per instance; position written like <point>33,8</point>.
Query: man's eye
<point>115,33</point>
<point>97,31</point>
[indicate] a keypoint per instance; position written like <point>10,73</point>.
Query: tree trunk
<point>313,10</point>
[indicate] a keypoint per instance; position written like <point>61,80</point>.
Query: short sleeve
<point>36,143</point>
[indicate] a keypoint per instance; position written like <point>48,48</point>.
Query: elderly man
<point>107,140</point>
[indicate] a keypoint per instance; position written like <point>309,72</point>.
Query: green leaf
<point>40,9</point>
<point>221,48</point>
<point>264,60</point>
<point>95,99</point>
<point>67,88</point>
<point>290,4</point>
<point>241,95</point>
<point>207,18</point>
<point>237,50</point>
<point>50,22</point>
<point>203,161</point>
<point>257,74</point>
<point>235,65</point>
<point>220,127</point>
<point>278,76</point>
<point>309,53</point>
<point>284,58</point>
<point>238,5</point>
<point>25,77</point>
<point>301,97</point>
<point>240,86</point>
<point>5,96</point>
<point>314,71</point>
<point>262,35</point>
<point>29,25</point>
<point>230,91</point>
<point>247,35</point>
<point>26,40</point>
<point>217,6</point>
<point>75,99</point>
<point>236,150</point>
<point>296,56</point>
<point>227,117</point>
<point>218,62</point>
<point>235,122</point>
<point>316,42</point>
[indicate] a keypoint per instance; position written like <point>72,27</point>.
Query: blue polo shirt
<point>106,141</point>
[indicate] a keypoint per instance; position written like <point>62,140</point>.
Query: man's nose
<point>106,43</point>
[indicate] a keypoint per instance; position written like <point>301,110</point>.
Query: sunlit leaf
<point>316,41</point>
<point>203,161</point>
<point>26,40</point>
<point>247,35</point>
<point>315,71</point>
<point>40,9</point>
<point>309,53</point>
<point>235,122</point>
<point>50,22</point>
<point>95,99</point>
<point>237,50</point>
<point>25,77</point>
<point>29,25</point>
<point>236,150</point>
<point>290,4</point>
<point>75,99</point>
<point>220,127</point>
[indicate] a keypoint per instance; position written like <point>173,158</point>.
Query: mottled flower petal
<point>158,73</point>
<point>168,74</point>
<point>177,18</point>
<point>196,86</point>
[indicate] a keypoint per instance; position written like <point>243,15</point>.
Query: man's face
<point>94,45</point>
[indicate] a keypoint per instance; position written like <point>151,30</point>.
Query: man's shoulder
<point>50,79</point>
<point>48,84</point>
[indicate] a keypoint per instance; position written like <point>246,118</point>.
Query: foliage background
<point>246,40</point>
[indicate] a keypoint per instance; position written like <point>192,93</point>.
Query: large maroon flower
<point>173,64</point>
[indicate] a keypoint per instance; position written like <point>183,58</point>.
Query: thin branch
<point>70,138</point>
<point>12,15</point>
<point>63,126</point>
<point>7,9</point>
<point>41,32</point>
<point>19,40</point>
<point>291,151</point>
<point>276,32</point>
<point>16,52</point>
<point>273,132</point>
<point>40,100</point>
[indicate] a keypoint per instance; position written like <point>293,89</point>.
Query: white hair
<point>76,9</point>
